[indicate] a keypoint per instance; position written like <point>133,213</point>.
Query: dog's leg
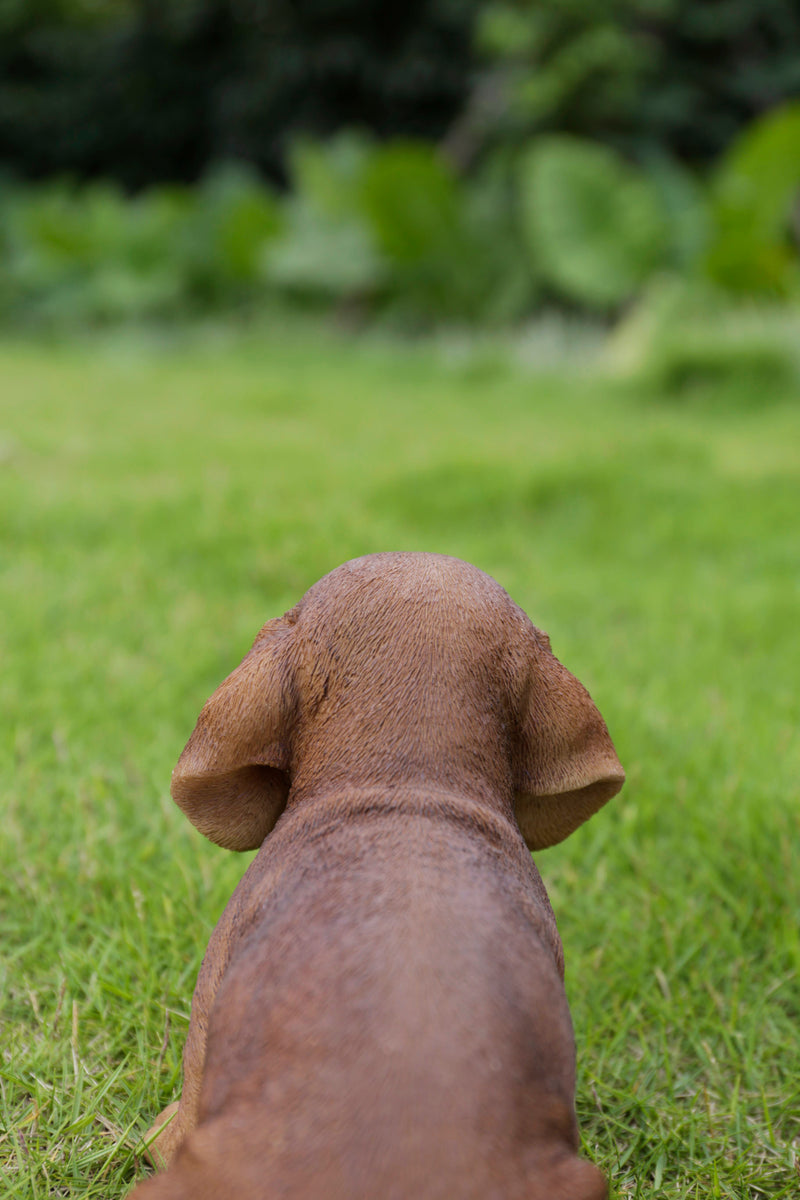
<point>178,1118</point>
<point>568,1178</point>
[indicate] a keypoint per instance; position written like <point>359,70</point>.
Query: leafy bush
<point>392,225</point>
<point>327,251</point>
<point>682,336</point>
<point>449,256</point>
<point>393,228</point>
<point>95,254</point>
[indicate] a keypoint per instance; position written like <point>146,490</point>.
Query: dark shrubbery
<point>147,91</point>
<point>680,76</point>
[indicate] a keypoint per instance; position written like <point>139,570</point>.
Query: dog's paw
<point>163,1136</point>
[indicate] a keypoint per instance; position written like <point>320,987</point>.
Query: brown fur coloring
<point>380,1014</point>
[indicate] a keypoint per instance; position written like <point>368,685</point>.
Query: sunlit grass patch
<point>158,503</point>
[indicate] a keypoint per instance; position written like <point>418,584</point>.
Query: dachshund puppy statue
<point>380,1014</point>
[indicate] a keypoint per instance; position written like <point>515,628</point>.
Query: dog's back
<point>381,1010</point>
<point>421,1048</point>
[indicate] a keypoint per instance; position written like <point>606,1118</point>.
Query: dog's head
<point>394,669</point>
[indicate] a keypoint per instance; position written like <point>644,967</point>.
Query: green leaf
<point>686,207</point>
<point>412,202</point>
<point>754,190</point>
<point>760,174</point>
<point>593,224</point>
<point>329,175</point>
<point>418,215</point>
<point>319,256</point>
<point>326,249</point>
<point>240,216</point>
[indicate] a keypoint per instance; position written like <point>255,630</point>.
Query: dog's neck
<point>327,805</point>
<point>428,743</point>
<point>479,793</point>
<point>407,771</point>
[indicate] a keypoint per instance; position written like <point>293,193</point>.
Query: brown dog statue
<point>380,1014</point>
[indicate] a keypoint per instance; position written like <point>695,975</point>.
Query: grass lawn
<point>158,503</point>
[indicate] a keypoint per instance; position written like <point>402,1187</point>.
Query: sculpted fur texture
<point>381,1011</point>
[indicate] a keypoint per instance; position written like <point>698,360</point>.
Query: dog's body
<point>381,1012</point>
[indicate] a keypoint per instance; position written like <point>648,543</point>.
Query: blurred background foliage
<point>436,161</point>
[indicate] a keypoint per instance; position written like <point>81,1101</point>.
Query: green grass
<point>158,503</point>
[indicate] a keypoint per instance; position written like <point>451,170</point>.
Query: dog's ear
<point>566,766</point>
<point>232,779</point>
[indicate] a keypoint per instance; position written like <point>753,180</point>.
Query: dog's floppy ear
<point>566,765</point>
<point>231,780</point>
